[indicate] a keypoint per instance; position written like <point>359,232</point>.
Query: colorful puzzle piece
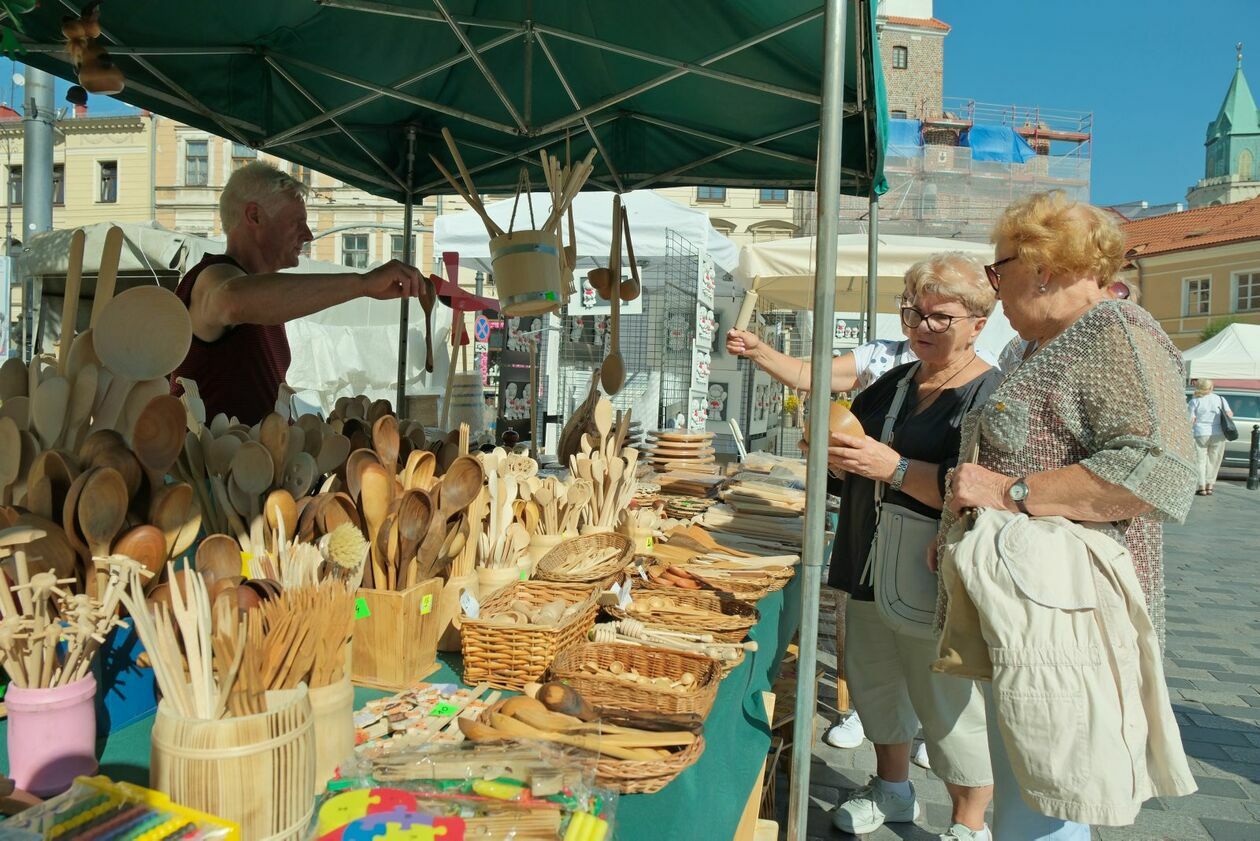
<point>349,806</point>
<point>400,825</point>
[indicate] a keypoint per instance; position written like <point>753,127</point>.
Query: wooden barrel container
<point>526,267</point>
<point>256,770</point>
<point>332,708</point>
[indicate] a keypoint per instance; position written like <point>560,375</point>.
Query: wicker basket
<point>728,620</point>
<point>556,565</point>
<point>609,692</point>
<point>510,656</point>
<point>745,588</point>
<point>648,777</point>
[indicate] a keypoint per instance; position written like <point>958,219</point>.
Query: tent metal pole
<point>832,125</point>
<point>872,268</point>
<point>404,303</point>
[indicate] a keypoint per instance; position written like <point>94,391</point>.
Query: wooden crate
<point>395,635</point>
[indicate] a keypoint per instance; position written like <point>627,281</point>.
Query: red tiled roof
<point>1199,228</point>
<point>924,23</point>
<point>7,114</point>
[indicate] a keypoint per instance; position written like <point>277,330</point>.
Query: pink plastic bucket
<point>52,735</point>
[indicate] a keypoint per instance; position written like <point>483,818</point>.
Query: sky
<point>1153,72</point>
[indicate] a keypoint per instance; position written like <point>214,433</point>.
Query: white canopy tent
<point>782,274</point>
<point>1232,354</point>
<point>348,349</point>
<point>651,216</point>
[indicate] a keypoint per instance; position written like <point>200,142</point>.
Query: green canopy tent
<point>741,93</point>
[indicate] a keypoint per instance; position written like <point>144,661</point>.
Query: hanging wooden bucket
<point>332,709</point>
<point>256,770</point>
<point>526,266</point>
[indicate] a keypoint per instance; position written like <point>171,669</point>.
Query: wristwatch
<point>1019,495</point>
<point>899,474</point>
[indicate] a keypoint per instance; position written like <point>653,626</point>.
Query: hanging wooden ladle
<point>630,288</point>
<point>613,372</point>
<point>428,299</point>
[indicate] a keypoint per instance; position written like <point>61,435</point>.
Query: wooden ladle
<point>612,374</point>
<point>415,511</point>
<point>218,557</point>
<point>146,544</point>
<point>428,298</point>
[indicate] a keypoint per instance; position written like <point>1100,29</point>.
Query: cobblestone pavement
<point>1213,671</point>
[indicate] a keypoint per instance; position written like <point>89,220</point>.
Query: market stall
<point>281,79</point>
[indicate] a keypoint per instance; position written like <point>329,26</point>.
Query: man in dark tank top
<point>239,301</point>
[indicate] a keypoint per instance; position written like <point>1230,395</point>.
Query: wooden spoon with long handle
<point>70,302</point>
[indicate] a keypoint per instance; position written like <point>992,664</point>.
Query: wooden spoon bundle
<point>608,466</point>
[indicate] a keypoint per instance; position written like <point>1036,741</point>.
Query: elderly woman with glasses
<point>921,406</point>
<point>1090,426</point>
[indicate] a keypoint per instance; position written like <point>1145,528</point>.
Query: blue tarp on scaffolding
<point>995,143</point>
<point>905,138</point>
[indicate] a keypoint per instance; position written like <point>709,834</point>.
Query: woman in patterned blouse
<point>1091,425</point>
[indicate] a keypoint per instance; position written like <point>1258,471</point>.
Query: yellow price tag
<point>426,604</point>
<point>245,559</point>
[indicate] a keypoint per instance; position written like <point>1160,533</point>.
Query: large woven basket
<point>746,588</point>
<point>728,620</point>
<point>558,564</point>
<point>609,692</point>
<point>630,776</point>
<point>510,656</point>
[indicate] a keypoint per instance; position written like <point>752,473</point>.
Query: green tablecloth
<point>704,802</point>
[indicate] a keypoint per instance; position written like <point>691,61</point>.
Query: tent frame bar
<point>736,145</point>
<point>351,136</point>
<point>713,58</point>
<point>417,14</point>
<point>281,136</point>
<point>730,150</point>
<point>586,121</point>
<point>688,68</point>
<point>427,104</point>
<point>482,67</point>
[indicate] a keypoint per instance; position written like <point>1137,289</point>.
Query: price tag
<point>361,609</point>
<point>469,604</point>
<point>444,710</point>
<point>426,604</point>
<point>245,559</point>
<point>524,574</point>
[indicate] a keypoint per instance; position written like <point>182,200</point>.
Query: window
<point>396,247</point>
<point>1245,165</point>
<point>301,173</point>
<point>771,230</point>
<point>241,155</point>
<point>109,181</point>
<point>197,163</point>
<point>15,184</point>
<point>711,194</point>
<point>772,196</point>
<point>898,115</point>
<point>354,250</point>
<point>901,58</point>
<point>1198,296</point>
<point>1247,292</point>
<point>59,185</point>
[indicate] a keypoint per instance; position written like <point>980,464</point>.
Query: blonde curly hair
<point>1064,237</point>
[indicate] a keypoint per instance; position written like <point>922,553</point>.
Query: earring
<point>1042,289</point>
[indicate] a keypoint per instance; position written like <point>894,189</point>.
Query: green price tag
<point>3,689</point>
<point>361,609</point>
<point>426,604</point>
<point>524,574</point>
<point>444,710</point>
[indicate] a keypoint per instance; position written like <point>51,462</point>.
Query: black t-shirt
<point>932,435</point>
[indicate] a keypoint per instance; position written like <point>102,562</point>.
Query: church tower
<point>1231,171</point>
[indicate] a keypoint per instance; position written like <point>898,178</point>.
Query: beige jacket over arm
<point>1053,611</point>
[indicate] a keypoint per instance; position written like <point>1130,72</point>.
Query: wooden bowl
<point>843,422</point>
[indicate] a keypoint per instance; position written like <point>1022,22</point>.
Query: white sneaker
<point>847,733</point>
<point>920,756</point>
<point>960,832</point>
<point>872,806</point>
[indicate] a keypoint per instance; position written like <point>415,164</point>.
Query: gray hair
<point>952,274</point>
<point>256,182</point>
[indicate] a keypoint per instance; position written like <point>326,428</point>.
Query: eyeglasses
<point>991,271</point>
<point>937,322</point>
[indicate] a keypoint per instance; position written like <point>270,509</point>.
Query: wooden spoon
<point>13,379</point>
<point>613,372</point>
<point>415,511</point>
<point>18,409</point>
<point>170,506</point>
<point>428,297</point>
<point>102,510</point>
<point>332,453</point>
<point>132,354</point>
<point>158,436</point>
<point>421,464</point>
<point>82,397</point>
<point>385,441</point>
<point>220,453</point>
<point>138,398</point>
<point>376,491</point>
<point>299,475</point>
<point>273,434</point>
<point>356,463</point>
<point>48,409</point>
<point>218,557</point>
<point>146,544</point>
<point>280,508</point>
<point>10,458</point>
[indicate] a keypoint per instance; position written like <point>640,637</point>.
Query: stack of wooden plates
<point>670,450</point>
